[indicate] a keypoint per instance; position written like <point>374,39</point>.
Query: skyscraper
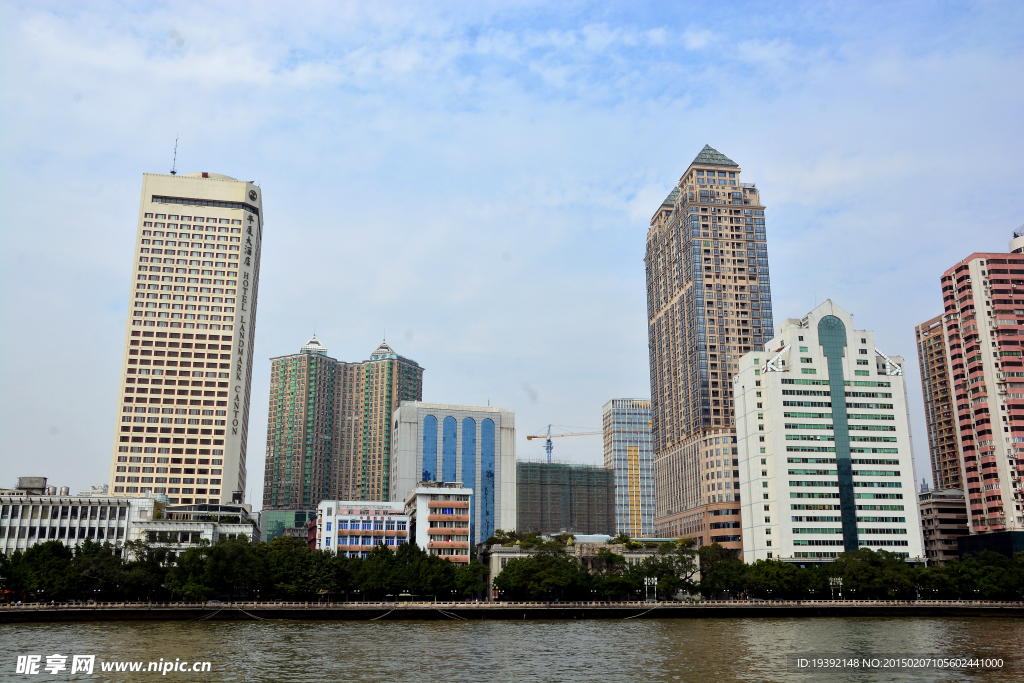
<point>328,429</point>
<point>183,412</point>
<point>984,311</point>
<point>825,458</point>
<point>627,451</point>
<point>938,404</point>
<point>708,301</point>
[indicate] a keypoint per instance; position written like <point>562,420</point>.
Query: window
<point>862,352</point>
<point>808,371</point>
<point>803,349</point>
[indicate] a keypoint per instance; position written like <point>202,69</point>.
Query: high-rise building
<point>939,415</point>
<point>183,412</point>
<point>825,458</point>
<point>472,445</point>
<point>708,302</point>
<point>328,429</point>
<point>984,309</point>
<point>561,497</point>
<point>628,452</point>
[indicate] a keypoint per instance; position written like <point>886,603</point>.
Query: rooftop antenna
<point>174,165</point>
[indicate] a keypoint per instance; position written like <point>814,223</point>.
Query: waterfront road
<point>458,611</point>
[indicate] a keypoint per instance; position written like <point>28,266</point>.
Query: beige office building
<point>708,302</point>
<point>183,405</point>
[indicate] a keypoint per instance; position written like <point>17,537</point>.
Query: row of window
<point>62,512</point>
<point>193,219</point>
<point>61,532</point>
<point>185,236</point>
<point>367,525</point>
<point>366,541</point>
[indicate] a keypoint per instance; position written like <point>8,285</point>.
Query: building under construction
<point>562,497</point>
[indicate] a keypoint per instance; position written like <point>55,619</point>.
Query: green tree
<point>774,580</point>
<point>45,571</point>
<point>675,566</point>
<point>286,564</point>
<point>721,571</point>
<point>550,575</point>
<point>471,579</point>
<point>187,579</point>
<point>144,571</point>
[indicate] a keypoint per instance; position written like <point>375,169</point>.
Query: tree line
<point>864,575</point>
<point>714,572</point>
<point>284,569</point>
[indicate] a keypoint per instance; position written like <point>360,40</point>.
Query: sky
<point>475,180</point>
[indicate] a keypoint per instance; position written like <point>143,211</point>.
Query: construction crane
<point>549,436</point>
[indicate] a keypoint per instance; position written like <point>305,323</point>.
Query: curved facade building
<point>472,445</point>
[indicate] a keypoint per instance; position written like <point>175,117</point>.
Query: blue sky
<point>477,179</point>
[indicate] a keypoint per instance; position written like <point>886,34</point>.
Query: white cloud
<point>481,177</point>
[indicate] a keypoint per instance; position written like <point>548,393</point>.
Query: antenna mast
<point>174,165</point>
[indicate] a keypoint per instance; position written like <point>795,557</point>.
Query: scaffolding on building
<point>564,498</point>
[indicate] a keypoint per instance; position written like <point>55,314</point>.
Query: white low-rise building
<point>356,527</point>
<point>37,514</point>
<point>26,520</point>
<point>180,526</point>
<point>439,518</point>
<point>825,453</point>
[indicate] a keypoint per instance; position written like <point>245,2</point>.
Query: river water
<point>591,651</point>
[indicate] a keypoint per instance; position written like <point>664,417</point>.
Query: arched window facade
<point>486,491</point>
<point>469,467</point>
<point>429,448</point>
<point>448,445</point>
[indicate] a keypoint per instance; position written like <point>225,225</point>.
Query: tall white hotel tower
<point>183,410</point>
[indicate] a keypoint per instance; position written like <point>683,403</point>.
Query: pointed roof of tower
<point>710,155</point>
<point>670,200</point>
<point>314,346</point>
<point>383,351</point>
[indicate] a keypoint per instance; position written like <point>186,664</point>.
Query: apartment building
<point>440,519</point>
<point>708,303</point>
<point>939,413</point>
<point>328,427</point>
<point>983,318</point>
<point>943,520</point>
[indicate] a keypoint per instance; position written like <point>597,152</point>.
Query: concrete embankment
<point>460,611</point>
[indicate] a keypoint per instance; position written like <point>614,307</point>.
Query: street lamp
<point>650,581</point>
